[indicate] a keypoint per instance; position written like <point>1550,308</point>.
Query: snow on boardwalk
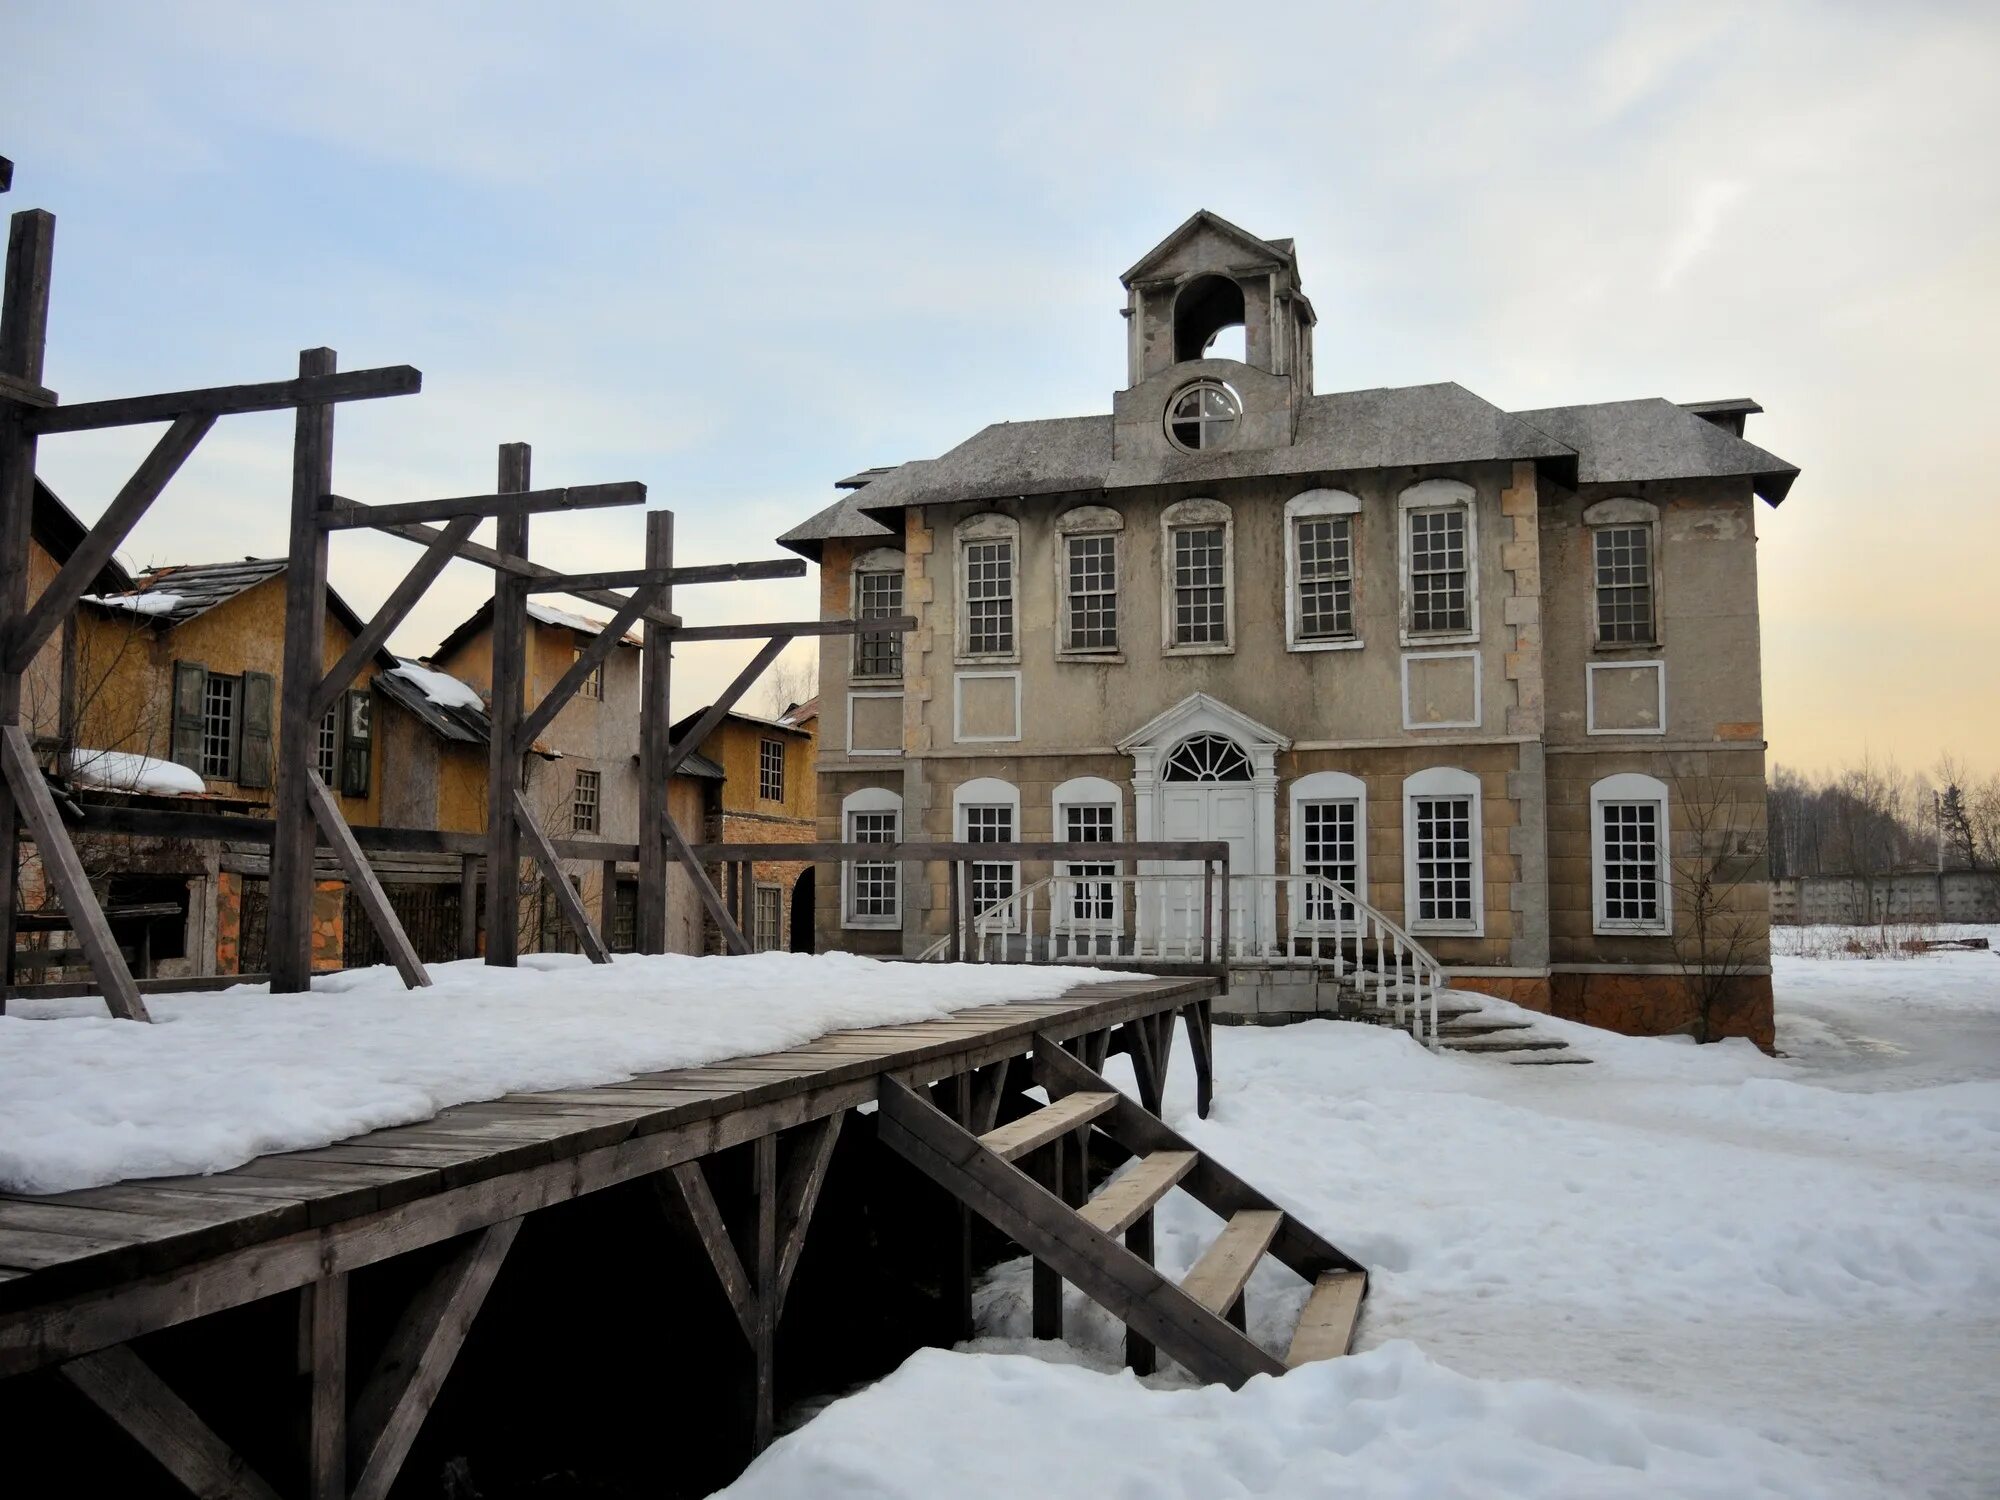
<point>223,1077</point>
<point>1683,1271</point>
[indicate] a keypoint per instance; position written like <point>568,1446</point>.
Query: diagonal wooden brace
<point>65,870</point>
<point>705,725</point>
<point>374,900</point>
<point>96,549</point>
<point>123,1386</point>
<point>566,897</point>
<point>588,660</point>
<point>711,899</point>
<point>399,603</point>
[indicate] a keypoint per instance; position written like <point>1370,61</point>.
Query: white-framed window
<point>1089,810</point>
<point>326,759</point>
<point>878,595</point>
<point>1624,572</point>
<point>593,685</point>
<point>584,800</point>
<point>767,911</point>
<point>989,550</point>
<point>770,770</point>
<point>1443,863</point>
<point>220,699</point>
<point>1087,568</point>
<point>1330,838</point>
<point>1321,551</point>
<point>1198,554</point>
<point>871,891</point>
<point>987,810</point>
<point>1630,873</point>
<point>1440,561</point>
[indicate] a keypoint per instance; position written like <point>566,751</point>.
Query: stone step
<point>1506,1044</point>
<point>1555,1060</point>
<point>1473,1024</point>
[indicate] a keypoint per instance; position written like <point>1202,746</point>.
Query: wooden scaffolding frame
<point>305,814</point>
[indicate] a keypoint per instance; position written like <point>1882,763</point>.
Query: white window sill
<point>1222,650</point>
<point>1419,642</point>
<point>1621,648</point>
<point>871,924</point>
<point>877,754</point>
<point>1628,929</point>
<point>1013,659</point>
<point>1091,658</point>
<point>876,684</point>
<point>1343,644</point>
<point>1448,929</point>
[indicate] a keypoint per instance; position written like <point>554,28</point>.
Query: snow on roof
<point>548,614</point>
<point>121,771</point>
<point>154,602</point>
<point>441,688</point>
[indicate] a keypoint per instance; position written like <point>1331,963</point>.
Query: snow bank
<point>220,1078</point>
<point>443,689</point>
<point>124,772</point>
<point>1386,1423</point>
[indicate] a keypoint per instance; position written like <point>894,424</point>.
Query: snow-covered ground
<point>1681,1271</point>
<point>220,1078</point>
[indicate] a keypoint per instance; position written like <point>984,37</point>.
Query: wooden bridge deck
<point>83,1271</point>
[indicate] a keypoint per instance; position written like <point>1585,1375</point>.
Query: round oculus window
<point>1203,416</point>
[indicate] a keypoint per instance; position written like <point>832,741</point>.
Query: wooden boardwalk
<point>84,1273</point>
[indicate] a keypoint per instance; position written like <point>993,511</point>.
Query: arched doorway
<point>801,936</point>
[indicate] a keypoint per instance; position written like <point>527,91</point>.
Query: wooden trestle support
<point>304,816</point>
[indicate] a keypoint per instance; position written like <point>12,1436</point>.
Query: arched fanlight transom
<point>1207,757</point>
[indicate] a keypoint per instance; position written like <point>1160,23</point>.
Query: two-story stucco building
<point>1496,672</point>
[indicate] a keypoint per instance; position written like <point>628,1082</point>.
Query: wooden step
<point>1018,1137</point>
<point>1218,1278</point>
<point>1505,1044</point>
<point>1327,1324</point>
<point>1479,1027</point>
<point>1119,1204</point>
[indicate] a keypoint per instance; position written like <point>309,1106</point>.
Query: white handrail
<point>1157,916</point>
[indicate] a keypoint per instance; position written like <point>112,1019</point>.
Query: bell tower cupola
<point>1218,343</point>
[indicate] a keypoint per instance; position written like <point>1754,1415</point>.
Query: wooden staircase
<point>1027,1178</point>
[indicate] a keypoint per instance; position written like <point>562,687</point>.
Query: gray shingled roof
<point>843,518</point>
<point>199,587</point>
<point>1623,442</point>
<point>466,725</point>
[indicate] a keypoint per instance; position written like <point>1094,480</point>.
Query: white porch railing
<point>1305,922</point>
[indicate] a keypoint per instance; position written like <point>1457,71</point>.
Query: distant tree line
<point>1876,818</point>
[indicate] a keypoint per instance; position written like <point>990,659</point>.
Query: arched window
<point>1202,309</point>
<point>1207,757</point>
<point>1330,838</point>
<point>1443,867</point>
<point>987,810</point>
<point>1631,887</point>
<point>1197,546</point>
<point>1088,810</point>
<point>871,890</point>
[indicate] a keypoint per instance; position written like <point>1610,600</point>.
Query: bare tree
<point>1953,807</point>
<point>1717,862</point>
<point>792,679</point>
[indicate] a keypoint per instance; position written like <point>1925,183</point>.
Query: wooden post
<point>503,767</point>
<point>293,840</point>
<point>954,949</point>
<point>468,906</point>
<point>326,1348</point>
<point>607,899</point>
<point>655,723</point>
<point>1047,1284</point>
<point>764,1341</point>
<point>24,324</point>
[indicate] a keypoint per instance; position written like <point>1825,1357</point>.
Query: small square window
<point>583,805</point>
<point>221,699</point>
<point>771,770</point>
<point>878,595</point>
<point>873,895</point>
<point>766,918</point>
<point>593,685</point>
<point>1624,580</point>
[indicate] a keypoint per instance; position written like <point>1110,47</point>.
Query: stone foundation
<point>1638,1004</point>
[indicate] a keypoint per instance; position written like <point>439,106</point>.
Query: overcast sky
<point>737,252</point>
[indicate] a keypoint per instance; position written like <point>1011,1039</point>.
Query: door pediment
<point>1198,713</point>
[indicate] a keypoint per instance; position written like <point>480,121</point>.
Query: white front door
<point>1193,811</point>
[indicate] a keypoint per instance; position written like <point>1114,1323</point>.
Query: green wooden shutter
<point>357,742</point>
<point>190,691</point>
<point>253,759</point>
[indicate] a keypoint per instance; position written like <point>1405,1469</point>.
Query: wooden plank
<point>516,565</point>
<point>1019,1137</point>
<point>406,1380</point>
<point>697,1201</point>
<point>402,599</point>
<point>122,1386</point>
<point>1218,1278</point>
<point>587,660</point>
<point>1328,1322</point>
<point>503,760</point>
<point>65,871</point>
<point>374,900</point>
<point>25,393</point>
<point>338,513</point>
<point>326,1363</point>
<point>567,898</point>
<point>313,390</point>
<point>585,584</point>
<point>59,597</point>
<point>1120,1203</point>
<point>751,631</point>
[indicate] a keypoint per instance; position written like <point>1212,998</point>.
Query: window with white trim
<point>770,770</point>
<point>326,760</point>
<point>878,595</point>
<point>584,799</point>
<point>1630,880</point>
<point>1197,552</point>
<point>1090,616</point>
<point>1088,810</point>
<point>766,918</point>
<point>1440,561</point>
<point>871,893</point>
<point>987,810</point>
<point>1325,550</point>
<point>219,701</point>
<point>1622,558</point>
<point>1329,834</point>
<point>1442,855</point>
<point>988,552</point>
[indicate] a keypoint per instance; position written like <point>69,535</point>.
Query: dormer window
<point>1203,416</point>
